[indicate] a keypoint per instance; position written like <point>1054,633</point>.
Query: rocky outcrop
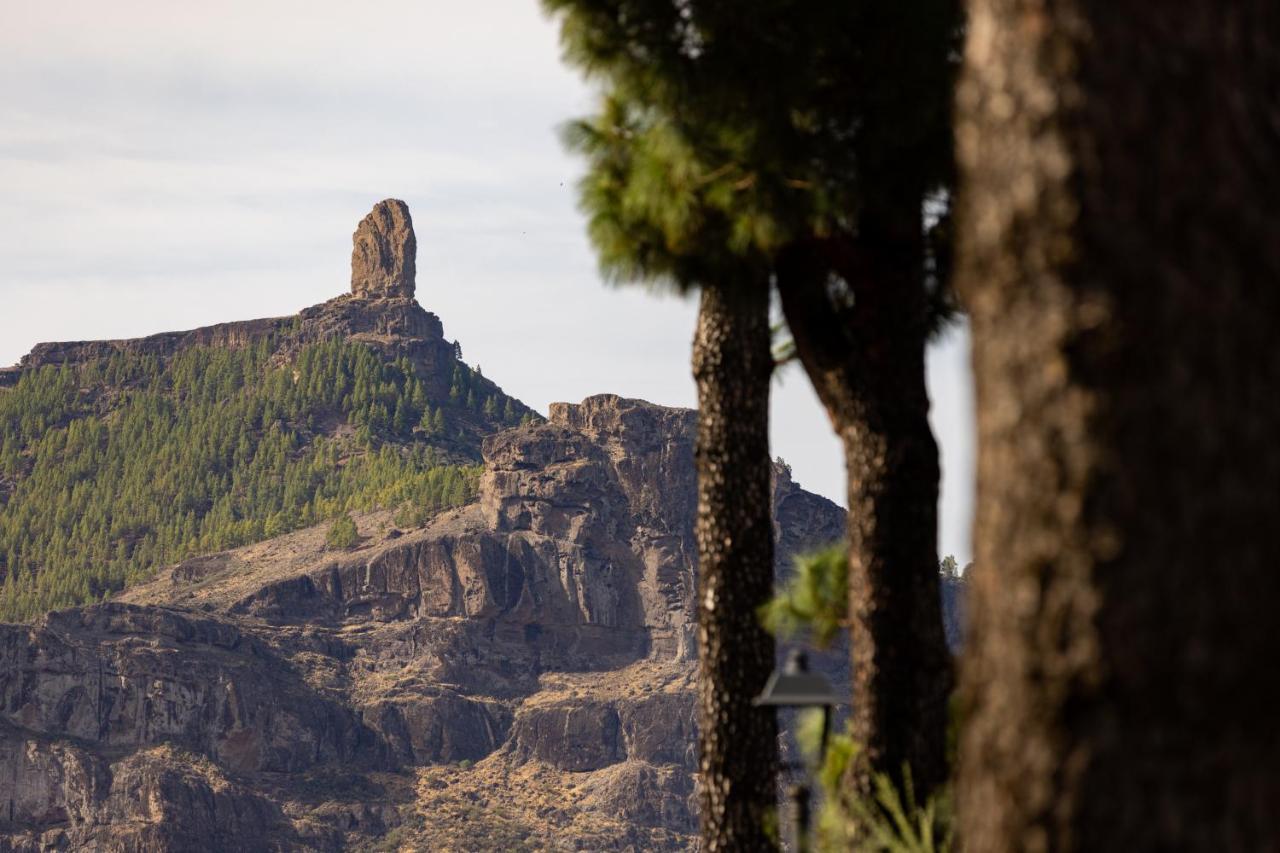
<point>396,327</point>
<point>580,539</point>
<point>116,676</point>
<point>612,478</point>
<point>384,253</point>
<point>154,799</point>
<point>440,729</point>
<point>572,736</point>
<point>644,795</point>
<point>656,729</point>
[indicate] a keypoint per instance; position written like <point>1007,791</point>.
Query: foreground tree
<point>738,755</point>
<point>1120,257</point>
<point>647,230</point>
<point>806,137</point>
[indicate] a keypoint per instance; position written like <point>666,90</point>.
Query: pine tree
<point>342,534</point>
<point>670,232</point>
<point>400,420</point>
<point>819,179</point>
<point>1121,247</point>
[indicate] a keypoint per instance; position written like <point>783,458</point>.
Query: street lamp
<point>796,687</point>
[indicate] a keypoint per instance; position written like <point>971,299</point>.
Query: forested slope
<point>119,464</point>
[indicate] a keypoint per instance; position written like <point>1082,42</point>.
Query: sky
<point>168,165</point>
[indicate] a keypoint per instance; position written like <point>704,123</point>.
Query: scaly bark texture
<point>865,358</point>
<point>732,365</point>
<point>1120,253</point>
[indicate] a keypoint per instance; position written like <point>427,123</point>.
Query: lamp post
<point>796,687</point>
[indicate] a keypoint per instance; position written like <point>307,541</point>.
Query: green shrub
<point>813,605</point>
<point>342,533</point>
<point>410,515</point>
<point>815,600</point>
<point>891,820</point>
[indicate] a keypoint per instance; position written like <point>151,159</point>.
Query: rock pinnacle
<point>383,252</point>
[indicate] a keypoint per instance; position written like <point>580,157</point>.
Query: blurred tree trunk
<point>732,366</point>
<point>865,358</point>
<point>1120,260</point>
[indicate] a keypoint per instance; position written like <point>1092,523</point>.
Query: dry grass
<point>241,572</point>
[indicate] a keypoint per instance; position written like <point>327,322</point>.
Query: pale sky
<point>167,165</point>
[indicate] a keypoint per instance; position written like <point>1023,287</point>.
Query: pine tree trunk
<point>732,365</point>
<point>867,365</point>
<point>1120,259</point>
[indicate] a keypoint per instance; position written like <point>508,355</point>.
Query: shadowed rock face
<point>384,252</point>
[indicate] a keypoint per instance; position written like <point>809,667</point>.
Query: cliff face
<point>395,326</point>
<point>516,672</point>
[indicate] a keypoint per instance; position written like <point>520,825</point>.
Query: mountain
<point>118,457</point>
<point>503,660</point>
<point>517,673</point>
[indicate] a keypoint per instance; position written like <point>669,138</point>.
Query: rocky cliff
<point>515,673</point>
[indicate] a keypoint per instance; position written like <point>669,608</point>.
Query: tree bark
<point>1120,254</point>
<point>732,365</point>
<point>865,358</point>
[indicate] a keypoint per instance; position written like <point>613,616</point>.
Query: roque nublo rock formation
<point>384,252</point>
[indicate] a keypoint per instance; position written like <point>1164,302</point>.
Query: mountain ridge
<point>279,398</point>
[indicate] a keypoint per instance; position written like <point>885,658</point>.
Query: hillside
<point>516,673</point>
<point>503,659</point>
<point>117,457</point>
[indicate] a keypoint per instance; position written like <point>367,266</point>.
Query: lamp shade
<point>796,687</point>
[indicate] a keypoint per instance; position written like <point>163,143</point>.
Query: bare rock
<point>443,728</point>
<point>661,728</point>
<point>47,783</point>
<point>573,736</point>
<point>114,676</point>
<point>384,252</point>
<point>644,794</point>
